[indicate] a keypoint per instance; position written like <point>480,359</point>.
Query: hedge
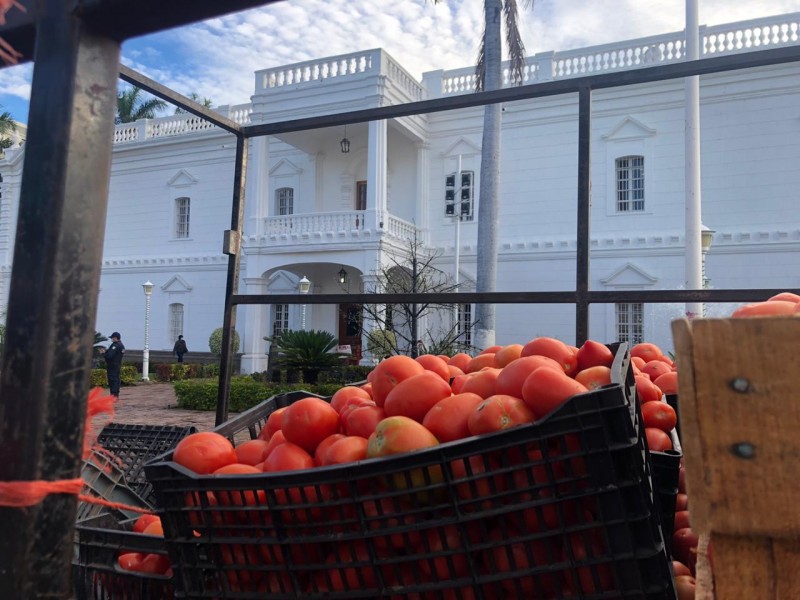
<point>245,392</point>
<point>128,375</point>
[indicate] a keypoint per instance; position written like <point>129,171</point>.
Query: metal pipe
<point>584,215</point>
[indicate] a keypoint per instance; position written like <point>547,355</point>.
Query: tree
<point>7,127</point>
<point>395,328</point>
<point>215,341</point>
<point>489,76</point>
<point>205,102</point>
<point>132,106</point>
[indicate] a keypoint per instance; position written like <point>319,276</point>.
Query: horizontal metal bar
<point>165,93</point>
<point>703,66</point>
<point>562,297</point>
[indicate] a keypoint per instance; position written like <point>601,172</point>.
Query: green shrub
<point>178,372</point>
<point>381,342</point>
<point>209,370</point>
<point>163,372</point>
<point>215,341</point>
<point>128,375</point>
<point>98,377</point>
<point>245,392</point>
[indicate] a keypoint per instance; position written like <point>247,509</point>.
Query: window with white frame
<point>459,195</point>
<point>465,324</point>
<point>175,320</point>
<point>630,322</point>
<point>284,200</point>
<point>281,322</point>
<point>182,217</point>
<point>630,183</point>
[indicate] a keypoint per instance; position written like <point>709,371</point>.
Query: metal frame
<point>59,241</point>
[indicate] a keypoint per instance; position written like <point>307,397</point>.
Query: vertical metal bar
<point>53,294</point>
<point>584,214</point>
<point>234,251</point>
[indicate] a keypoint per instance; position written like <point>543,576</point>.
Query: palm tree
<point>205,102</point>
<point>131,106</point>
<point>489,76</point>
<point>7,126</point>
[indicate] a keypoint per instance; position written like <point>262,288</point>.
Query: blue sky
<point>217,58</point>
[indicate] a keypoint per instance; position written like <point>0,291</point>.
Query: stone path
<point>155,404</point>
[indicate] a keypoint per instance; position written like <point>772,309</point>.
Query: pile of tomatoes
<point>151,563</point>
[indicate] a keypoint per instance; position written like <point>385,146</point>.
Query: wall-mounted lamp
<point>345,143</point>
<point>342,276</point>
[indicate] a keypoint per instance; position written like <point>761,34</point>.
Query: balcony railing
<point>146,129</point>
<point>319,227</point>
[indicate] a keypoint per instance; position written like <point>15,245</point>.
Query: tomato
<point>459,381</point>
<point>308,421</point>
<point>656,368</point>
<point>682,480</point>
<point>274,421</point>
<point>684,546</point>
<point>594,377</point>
<point>204,452</point>
<point>516,372</point>
<point>681,501</point>
<point>506,354</point>
<point>252,452</point>
<point>454,371</point>
<point>646,390</point>
<point>678,568</point>
<point>594,354</point>
<point>490,350</point>
<point>441,540</point>
<point>460,360</point>
<point>657,440</point>
<point>340,577</point>
<point>659,415</point>
<point>517,556</point>
<point>434,364</point>
<point>349,449</point>
<point>363,420</point>
<point>274,441</point>
<point>479,478</point>
<point>343,396</point>
<point>646,351</point>
<point>546,389</point>
<point>240,498</point>
<point>367,387</point>
<point>237,556</point>
<point>681,520</point>
<point>155,528</point>
<point>785,296</point>
<point>324,445</point>
<point>685,587</point>
<point>447,419</point>
<point>483,383</point>
<point>591,580</point>
<point>288,457</point>
<point>555,349</point>
<point>399,434</point>
<point>479,362</point>
<point>667,383</point>
<point>415,396</point>
<point>351,405</point>
<point>772,308</point>
<point>391,372</point>
<point>155,564</point>
<point>130,561</point>
<point>142,522</point>
<point>497,413</point>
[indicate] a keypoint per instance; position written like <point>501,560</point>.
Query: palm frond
<point>516,49</point>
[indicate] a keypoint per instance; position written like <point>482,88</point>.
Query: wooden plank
<point>756,568</point>
<point>740,416</point>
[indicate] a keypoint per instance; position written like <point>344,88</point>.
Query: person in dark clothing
<point>113,357</point>
<point>179,349</point>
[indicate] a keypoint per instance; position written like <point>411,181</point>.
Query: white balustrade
<point>768,32</point>
<point>315,223</point>
<point>145,129</point>
<point>400,229</point>
<point>342,66</point>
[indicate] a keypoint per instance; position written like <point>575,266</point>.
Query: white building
<point>312,210</point>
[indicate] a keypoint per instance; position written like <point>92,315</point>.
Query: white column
<point>376,171</point>
<point>257,205</point>
<point>256,327</point>
<point>693,254</point>
<point>423,180</point>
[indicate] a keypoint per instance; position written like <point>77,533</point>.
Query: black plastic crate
<point>134,445</point>
<point>557,508</point>
<point>103,478</point>
<point>666,468</point>
<point>96,571</point>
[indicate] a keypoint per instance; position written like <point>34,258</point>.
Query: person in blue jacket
<point>113,357</point>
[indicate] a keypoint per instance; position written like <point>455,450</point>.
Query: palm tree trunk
<point>488,211</point>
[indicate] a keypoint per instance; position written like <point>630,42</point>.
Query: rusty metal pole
<point>53,294</point>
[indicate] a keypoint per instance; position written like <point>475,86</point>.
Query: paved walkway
<point>155,404</point>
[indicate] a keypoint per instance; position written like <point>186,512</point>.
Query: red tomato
<point>656,368</point>
<point>156,564</point>
<point>324,445</point>
<point>667,383</point>
<point>681,520</point>
<point>479,362</point>
<point>447,420</point>
<point>659,415</point>
<point>546,389</point>
<point>436,365</point>
<point>514,374</point>
<point>396,435</point>
<point>454,371</point>
<point>415,396</point>
<point>646,351</point>
<point>343,578</point>
<point>460,360</point>
<point>142,522</point>
<point>657,440</point>
<point>589,584</point>
<point>681,501</point>
<point>351,405</point>
<point>240,498</point>
<point>507,354</point>
<point>308,421</point>
<point>363,420</point>
<point>509,557</point>
<point>678,568</point>
<point>204,452</point>
<point>497,413</point>
<point>459,381</point>
<point>646,390</point>
<point>130,561</point>
<point>685,587</point>
<point>390,372</point>
<point>445,566</point>
<point>274,441</point>
<point>367,387</point>
<point>483,383</point>
<point>772,308</point>
<point>252,452</point>
<point>155,528</point>
<point>785,296</point>
<point>274,422</point>
<point>594,354</point>
<point>594,377</point>
<point>343,396</point>
<point>349,449</point>
<point>555,349</point>
<point>684,546</point>
<point>490,350</point>
<point>288,457</point>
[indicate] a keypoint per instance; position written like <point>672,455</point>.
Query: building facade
<point>315,211</point>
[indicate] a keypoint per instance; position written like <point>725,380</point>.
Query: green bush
<point>245,392</point>
<point>209,370</point>
<point>381,342</point>
<point>163,372</point>
<point>98,377</point>
<point>128,375</point>
<point>215,341</point>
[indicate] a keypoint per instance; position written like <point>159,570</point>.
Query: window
<point>281,322</point>
<point>361,195</point>
<point>630,183</point>
<point>284,199</point>
<point>459,198</point>
<point>465,323</point>
<point>175,321</point>
<point>630,322</point>
<point>182,217</point>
